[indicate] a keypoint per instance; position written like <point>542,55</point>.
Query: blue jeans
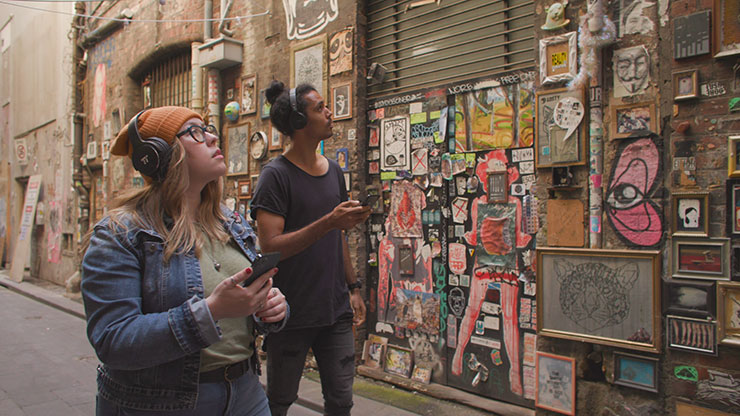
<point>334,349</point>
<point>241,397</point>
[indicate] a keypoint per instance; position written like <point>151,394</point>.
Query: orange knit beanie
<point>162,122</point>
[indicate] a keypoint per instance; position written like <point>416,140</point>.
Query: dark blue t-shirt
<point>313,280</point>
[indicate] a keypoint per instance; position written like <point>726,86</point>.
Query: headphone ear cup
<point>152,157</point>
<point>298,120</point>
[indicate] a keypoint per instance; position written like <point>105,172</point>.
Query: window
<point>424,43</point>
<point>168,83</point>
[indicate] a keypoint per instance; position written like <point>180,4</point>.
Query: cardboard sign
<point>23,243</point>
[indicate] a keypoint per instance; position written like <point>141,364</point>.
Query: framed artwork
<point>691,214</point>
<point>422,374</point>
<point>253,179</point>
<point>728,295</point>
<point>347,181</point>
<point>343,159</point>
<point>686,408</point>
<point>236,149</point>
<point>276,139</point>
<point>556,145</point>
<point>248,89</point>
<point>633,120</point>
<point>375,351</point>
<point>245,188</point>
<point>691,334</point>
<point>258,145</point>
<point>373,136</point>
<point>705,258</point>
<point>558,58</point>
<point>341,99</point>
<point>264,105</point>
<point>341,45</point>
<point>733,207</point>
<point>398,361</point>
<point>241,207</point>
<point>733,156</point>
<point>691,35</point>
<point>628,311</point>
<point>636,371</point>
<point>555,383</point>
<point>726,28</point>
<point>685,85</point>
<point>497,186</point>
<point>690,298</point>
<point>631,71</point>
<point>307,64</point>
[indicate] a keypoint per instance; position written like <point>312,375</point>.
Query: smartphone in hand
<point>263,264</point>
<point>369,200</point>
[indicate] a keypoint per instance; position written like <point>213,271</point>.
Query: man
<point>301,209</point>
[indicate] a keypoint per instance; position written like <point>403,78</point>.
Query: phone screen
<point>262,265</point>
<point>369,200</point>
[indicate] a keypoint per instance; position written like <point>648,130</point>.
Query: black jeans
<point>334,349</point>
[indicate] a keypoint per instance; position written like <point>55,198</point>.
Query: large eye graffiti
<point>632,213</point>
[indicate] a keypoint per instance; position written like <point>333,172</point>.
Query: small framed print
<point>347,181</point>
<point>691,334</point>
<point>705,258</point>
<point>733,207</point>
<point>373,167</point>
<point>253,179</point>
<point>728,295</point>
<point>633,120</point>
<point>691,214</point>
<point>556,383</point>
<point>497,184</point>
<point>690,298</point>
<point>398,361</point>
<point>726,28</point>
<point>241,207</point>
<point>422,374</point>
<point>685,85</point>
<point>245,188</point>
<point>236,147</point>
<point>341,98</point>
<point>636,371</point>
<point>276,139</point>
<point>558,58</point>
<point>733,156</point>
<point>375,351</point>
<point>343,159</point>
<point>248,92</point>
<point>264,105</point>
<point>373,136</point>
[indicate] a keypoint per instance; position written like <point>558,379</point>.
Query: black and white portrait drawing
<point>342,101</point>
<point>631,71</point>
<point>307,18</point>
<point>395,144</point>
<point>340,51</point>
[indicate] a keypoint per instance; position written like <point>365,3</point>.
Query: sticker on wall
<point>395,146</point>
<point>460,210</point>
<point>419,162</point>
<point>446,166</point>
<point>457,261</point>
<point>631,71</point>
<point>451,331</point>
<point>406,200</point>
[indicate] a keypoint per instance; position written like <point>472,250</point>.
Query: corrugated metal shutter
<point>170,82</point>
<point>428,45</point>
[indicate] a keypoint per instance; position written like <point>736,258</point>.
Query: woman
<point>161,281</point>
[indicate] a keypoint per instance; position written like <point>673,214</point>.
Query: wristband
<point>355,285</point>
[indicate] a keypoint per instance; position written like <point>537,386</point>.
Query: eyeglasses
<point>198,133</point>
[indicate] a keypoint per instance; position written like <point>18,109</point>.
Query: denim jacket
<point>147,319</point>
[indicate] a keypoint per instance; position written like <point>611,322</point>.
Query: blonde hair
<point>146,206</point>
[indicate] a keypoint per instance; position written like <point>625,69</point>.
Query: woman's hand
<point>275,308</point>
<point>230,300</point>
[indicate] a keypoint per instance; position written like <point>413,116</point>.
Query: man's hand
<point>348,214</point>
<point>358,307</point>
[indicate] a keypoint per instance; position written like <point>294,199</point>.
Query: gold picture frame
<point>632,277</point>
<point>725,29</point>
<point>728,313</point>
<point>685,85</point>
<point>308,64</point>
<point>733,156</point>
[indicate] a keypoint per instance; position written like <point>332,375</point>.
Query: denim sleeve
<point>123,336</point>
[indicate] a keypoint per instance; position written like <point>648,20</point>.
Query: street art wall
<point>452,236</point>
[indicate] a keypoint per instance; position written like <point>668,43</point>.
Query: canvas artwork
<point>634,120</point>
<point>406,210</point>
<point>631,71</point>
<point>556,383</point>
<point>236,149</point>
<point>340,51</point>
<point>627,310</point>
<point>636,371</point>
<point>496,235</point>
<point>398,361</point>
<point>248,102</point>
<point>484,119</point>
<point>395,148</point>
<point>417,311</point>
<point>691,334</point>
<point>307,64</point>
<point>422,374</point>
<point>689,298</point>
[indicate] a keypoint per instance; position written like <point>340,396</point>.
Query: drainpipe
<point>196,77</point>
<point>208,11</point>
<point>80,69</point>
<point>213,74</point>
<point>105,29</point>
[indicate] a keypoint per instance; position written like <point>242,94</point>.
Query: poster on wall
<point>395,147</point>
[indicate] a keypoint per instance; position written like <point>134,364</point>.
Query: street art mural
<point>634,185</point>
<point>308,18</point>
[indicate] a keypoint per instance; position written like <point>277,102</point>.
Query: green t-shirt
<point>218,262</point>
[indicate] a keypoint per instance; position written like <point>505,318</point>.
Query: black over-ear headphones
<point>297,119</point>
<point>151,157</point>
